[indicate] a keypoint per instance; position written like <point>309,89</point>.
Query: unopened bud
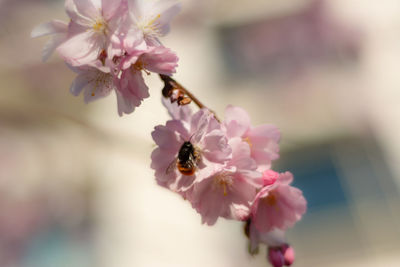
<point>288,254</point>
<point>275,257</point>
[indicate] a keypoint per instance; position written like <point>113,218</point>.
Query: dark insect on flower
<point>187,159</point>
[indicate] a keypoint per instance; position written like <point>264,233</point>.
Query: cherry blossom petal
<point>160,60</point>
<point>110,8</point>
<point>49,28</point>
<point>167,9</point>
<point>82,48</point>
<point>175,111</point>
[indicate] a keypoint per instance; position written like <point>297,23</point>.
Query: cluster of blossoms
<point>223,168</point>
<point>109,44</point>
<point>231,175</point>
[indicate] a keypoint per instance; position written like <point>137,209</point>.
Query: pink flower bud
<point>288,254</point>
<point>275,257</point>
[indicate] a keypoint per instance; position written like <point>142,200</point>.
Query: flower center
<point>247,140</point>
<point>139,66</point>
<point>150,27</point>
<point>102,81</point>
<point>100,26</point>
<point>270,199</point>
<point>223,181</point>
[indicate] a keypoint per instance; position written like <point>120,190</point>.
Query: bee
<point>187,159</point>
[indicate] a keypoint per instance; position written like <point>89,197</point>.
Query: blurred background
<point>76,188</point>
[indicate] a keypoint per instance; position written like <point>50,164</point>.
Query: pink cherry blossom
<point>263,139</point>
<point>92,25</point>
<point>131,86</point>
<point>228,191</point>
<point>93,82</point>
<point>209,141</point>
<point>58,31</point>
<point>153,17</point>
<point>277,205</point>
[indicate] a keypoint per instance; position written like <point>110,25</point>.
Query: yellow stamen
<point>225,192</point>
<point>151,22</point>
<point>247,140</point>
<point>223,181</point>
<point>98,26</point>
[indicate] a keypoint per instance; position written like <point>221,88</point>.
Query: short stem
<point>171,83</point>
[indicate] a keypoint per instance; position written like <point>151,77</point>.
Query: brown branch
<point>176,92</point>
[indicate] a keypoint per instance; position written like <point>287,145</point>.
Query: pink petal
<point>51,46</point>
<point>160,60</point>
<point>216,147</point>
<point>88,8</point>
<point>237,121</point>
<point>81,49</point>
<point>72,11</point>
<point>264,134</point>
<point>110,8</point>
<point>177,112</point>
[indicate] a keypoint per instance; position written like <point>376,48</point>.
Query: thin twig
<point>171,84</point>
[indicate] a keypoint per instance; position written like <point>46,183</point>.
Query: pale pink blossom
<point>58,31</point>
<point>93,22</point>
<point>209,141</point>
<point>153,17</point>
<point>229,191</point>
<point>277,205</point>
<point>263,139</point>
<point>131,85</point>
<point>93,82</point>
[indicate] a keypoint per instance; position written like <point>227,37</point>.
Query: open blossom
<point>277,205</point>
<point>131,85</point>
<point>110,46</point>
<point>153,17</point>
<point>210,144</point>
<point>93,82</point>
<point>92,24</point>
<point>263,139</point>
<point>228,191</point>
<point>57,29</point>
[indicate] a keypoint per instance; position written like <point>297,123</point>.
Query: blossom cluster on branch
<point>222,167</point>
<point>110,44</point>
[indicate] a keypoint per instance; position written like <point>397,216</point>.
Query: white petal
<point>124,105</point>
<point>72,10</point>
<point>167,9</point>
<point>79,83</point>
<point>51,27</point>
<point>50,46</point>
<point>82,48</point>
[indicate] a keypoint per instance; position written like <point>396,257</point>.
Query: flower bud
<point>288,254</point>
<point>275,257</point>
